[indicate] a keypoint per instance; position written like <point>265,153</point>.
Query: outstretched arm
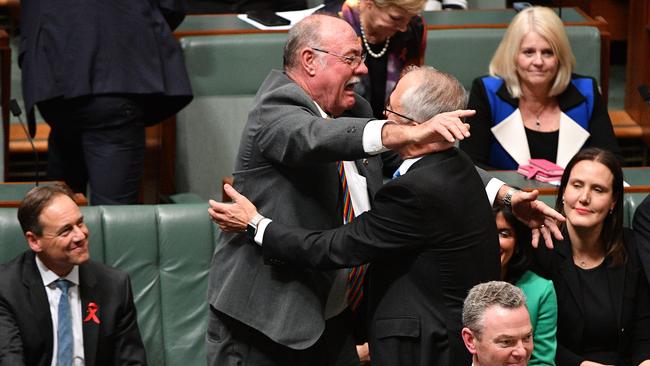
<point>536,214</point>
<point>438,133</point>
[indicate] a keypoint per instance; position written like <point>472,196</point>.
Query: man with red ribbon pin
<point>57,307</point>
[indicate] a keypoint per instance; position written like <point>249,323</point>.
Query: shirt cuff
<point>491,189</point>
<point>261,227</point>
<point>372,137</point>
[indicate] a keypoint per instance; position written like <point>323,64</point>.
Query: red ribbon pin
<point>92,313</point>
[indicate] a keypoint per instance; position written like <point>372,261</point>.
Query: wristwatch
<point>507,198</point>
<point>251,228</point>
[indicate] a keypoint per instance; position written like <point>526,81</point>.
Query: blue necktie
<point>397,174</point>
<point>64,329</point>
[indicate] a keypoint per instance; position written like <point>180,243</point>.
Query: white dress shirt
<point>53,295</point>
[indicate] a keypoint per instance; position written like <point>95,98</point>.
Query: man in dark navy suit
<point>99,71</point>
<point>55,303</point>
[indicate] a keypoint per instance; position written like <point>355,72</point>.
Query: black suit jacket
<point>26,322</point>
<point>628,290</point>
<point>430,237</point>
<point>75,48</point>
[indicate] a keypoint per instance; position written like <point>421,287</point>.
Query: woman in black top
<point>603,298</point>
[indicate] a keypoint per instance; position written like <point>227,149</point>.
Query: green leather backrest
<point>167,250</point>
<point>225,72</point>
<point>466,53</point>
<point>231,64</point>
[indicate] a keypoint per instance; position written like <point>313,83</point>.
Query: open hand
<point>538,216</point>
<point>233,216</point>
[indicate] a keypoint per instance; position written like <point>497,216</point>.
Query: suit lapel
<point>40,305</point>
<point>569,273</point>
<point>511,134</point>
<point>88,293</point>
<point>370,169</point>
<point>570,140</point>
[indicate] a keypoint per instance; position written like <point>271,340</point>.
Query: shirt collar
<point>48,276</point>
<point>321,111</point>
<point>406,165</point>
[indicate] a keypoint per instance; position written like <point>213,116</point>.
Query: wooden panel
<point>615,13</point>
<point>5,92</point>
<point>638,66</point>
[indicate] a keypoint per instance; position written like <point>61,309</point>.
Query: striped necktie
<point>355,275</point>
<point>64,327</point>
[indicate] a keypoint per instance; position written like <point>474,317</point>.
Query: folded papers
<point>541,170</point>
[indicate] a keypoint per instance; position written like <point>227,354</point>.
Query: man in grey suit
<point>287,164</point>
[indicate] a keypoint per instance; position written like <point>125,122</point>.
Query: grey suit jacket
<point>287,167</point>
<point>26,322</point>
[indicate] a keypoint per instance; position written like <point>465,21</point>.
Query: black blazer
<point>26,323</point>
<point>72,48</point>
<point>628,289</point>
<point>430,237</point>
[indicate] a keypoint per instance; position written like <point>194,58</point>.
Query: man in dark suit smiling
<point>57,307</point>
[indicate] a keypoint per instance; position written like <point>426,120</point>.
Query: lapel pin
<point>92,313</point>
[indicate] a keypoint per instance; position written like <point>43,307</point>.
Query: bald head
<point>313,31</point>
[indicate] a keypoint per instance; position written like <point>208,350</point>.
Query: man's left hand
<point>538,216</point>
<point>233,216</point>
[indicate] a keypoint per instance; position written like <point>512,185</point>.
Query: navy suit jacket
<point>75,48</point>
<point>430,237</point>
<point>26,323</point>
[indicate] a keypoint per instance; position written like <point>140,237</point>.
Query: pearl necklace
<point>365,43</point>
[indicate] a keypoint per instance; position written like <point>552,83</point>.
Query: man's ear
<point>469,339</point>
<point>308,61</point>
<point>33,242</point>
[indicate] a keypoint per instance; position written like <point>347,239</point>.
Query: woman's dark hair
<point>612,232</point>
<point>520,261</point>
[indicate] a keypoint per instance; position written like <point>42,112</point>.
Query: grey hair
<point>488,294</point>
<point>437,92</point>
<point>307,33</point>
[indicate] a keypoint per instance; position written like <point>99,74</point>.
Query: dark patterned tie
<point>355,275</point>
<point>64,328</point>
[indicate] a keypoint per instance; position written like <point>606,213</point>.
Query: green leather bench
<point>466,53</point>
<point>166,249</point>
<point>225,72</point>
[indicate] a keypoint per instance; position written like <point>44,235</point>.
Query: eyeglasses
<point>386,111</point>
<point>352,61</point>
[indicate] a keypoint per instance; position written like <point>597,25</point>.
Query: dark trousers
<point>232,343</point>
<point>97,140</point>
